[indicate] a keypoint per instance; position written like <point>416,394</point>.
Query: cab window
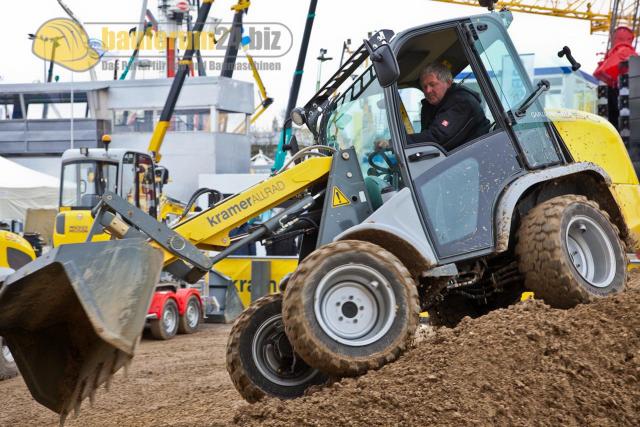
<point>359,120</point>
<point>84,182</point>
<point>138,182</point>
<point>436,57</point>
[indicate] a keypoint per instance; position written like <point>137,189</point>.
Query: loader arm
<point>209,230</point>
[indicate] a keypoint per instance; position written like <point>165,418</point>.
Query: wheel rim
<point>6,354</point>
<point>591,252</point>
<point>274,357</point>
<point>169,319</point>
<point>355,305</point>
<point>193,314</point>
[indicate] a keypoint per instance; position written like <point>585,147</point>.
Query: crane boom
<point>597,12</point>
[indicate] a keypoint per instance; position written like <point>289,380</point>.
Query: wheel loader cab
<point>86,174</point>
<point>457,190</point>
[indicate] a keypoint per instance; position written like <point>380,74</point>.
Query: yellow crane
<point>602,15</point>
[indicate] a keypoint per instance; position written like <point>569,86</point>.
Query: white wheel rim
<point>355,305</point>
<point>169,319</point>
<point>590,251</point>
<point>192,314</point>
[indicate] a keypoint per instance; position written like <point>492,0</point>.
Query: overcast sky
<point>336,21</point>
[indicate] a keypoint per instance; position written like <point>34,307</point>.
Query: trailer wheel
<point>192,316</point>
<point>351,306</point>
<point>166,326</point>
<point>260,359</point>
<point>570,252</point>
<point>8,368</point>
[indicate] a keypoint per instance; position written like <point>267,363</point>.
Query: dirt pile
<point>528,365</point>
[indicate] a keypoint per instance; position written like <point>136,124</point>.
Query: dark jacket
<point>458,118</point>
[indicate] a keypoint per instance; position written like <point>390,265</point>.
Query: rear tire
<point>351,306</point>
<point>8,368</point>
<point>192,316</point>
<point>260,359</point>
<point>570,253</point>
<point>166,326</point>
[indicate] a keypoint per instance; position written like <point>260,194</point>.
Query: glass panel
<point>146,185</point>
<point>84,182</point>
<point>129,179</point>
<point>458,195</point>
<point>230,122</point>
<point>359,120</point>
<point>412,100</point>
<point>512,85</point>
<point>133,121</point>
<point>453,195</point>
<point>192,121</point>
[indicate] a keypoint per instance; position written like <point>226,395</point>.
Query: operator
<point>451,114</point>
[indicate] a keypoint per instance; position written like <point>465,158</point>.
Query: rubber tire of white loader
<point>242,364</point>
<point>311,337</point>
<point>158,329</point>
<point>184,326</point>
<point>544,258</point>
<point>8,368</point>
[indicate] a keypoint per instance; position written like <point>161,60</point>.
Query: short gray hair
<point>441,71</point>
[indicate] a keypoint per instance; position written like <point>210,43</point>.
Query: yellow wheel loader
<point>15,252</point>
<point>390,225</point>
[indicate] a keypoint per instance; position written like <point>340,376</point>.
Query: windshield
<point>359,120</point>
<point>84,182</point>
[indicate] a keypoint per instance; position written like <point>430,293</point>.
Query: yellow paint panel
<point>11,240</point>
<point>211,227</point>
<point>628,199</point>
<point>76,228</point>
<point>591,138</point>
<point>239,270</point>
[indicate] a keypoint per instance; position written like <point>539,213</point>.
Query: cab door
<point>511,84</point>
<point>138,182</point>
<point>457,191</point>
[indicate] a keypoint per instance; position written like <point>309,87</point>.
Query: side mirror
<point>489,4</point>
<point>384,61</point>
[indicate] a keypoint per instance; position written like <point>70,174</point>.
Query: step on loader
<point>391,223</point>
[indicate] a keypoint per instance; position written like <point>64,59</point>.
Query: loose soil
<point>526,365</point>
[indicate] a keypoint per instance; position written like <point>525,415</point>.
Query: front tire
<point>570,253</point>
<point>351,306</point>
<point>8,368</point>
<point>166,326</point>
<point>260,359</point>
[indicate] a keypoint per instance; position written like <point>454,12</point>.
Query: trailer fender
<point>182,297</point>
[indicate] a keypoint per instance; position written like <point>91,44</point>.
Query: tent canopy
<point>22,188</point>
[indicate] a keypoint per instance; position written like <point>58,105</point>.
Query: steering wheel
<point>381,169</point>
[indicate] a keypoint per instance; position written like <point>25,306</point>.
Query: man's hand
<point>382,144</point>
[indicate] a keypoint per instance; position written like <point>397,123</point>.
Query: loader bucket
<point>73,317</point>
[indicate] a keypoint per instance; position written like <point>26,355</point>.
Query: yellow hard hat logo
<point>66,43</point>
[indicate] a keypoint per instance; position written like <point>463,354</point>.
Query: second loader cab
<point>87,173</point>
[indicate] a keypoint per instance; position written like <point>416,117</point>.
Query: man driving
<point>451,114</point>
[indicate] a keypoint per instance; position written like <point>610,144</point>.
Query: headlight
<point>298,116</point>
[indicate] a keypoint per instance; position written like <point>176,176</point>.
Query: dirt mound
<point>528,365</point>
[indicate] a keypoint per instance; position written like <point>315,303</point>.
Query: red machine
<point>621,49</point>
<point>174,310</point>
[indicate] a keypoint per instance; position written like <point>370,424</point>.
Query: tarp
<point>22,188</point>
